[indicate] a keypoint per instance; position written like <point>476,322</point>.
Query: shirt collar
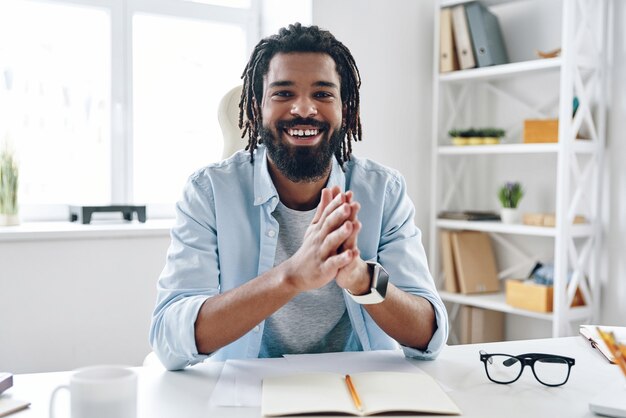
<point>264,189</point>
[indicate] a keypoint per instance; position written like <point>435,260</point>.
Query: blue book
<point>486,35</point>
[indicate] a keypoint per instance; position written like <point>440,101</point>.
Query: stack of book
<point>470,37</point>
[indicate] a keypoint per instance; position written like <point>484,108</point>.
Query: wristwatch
<point>378,285</point>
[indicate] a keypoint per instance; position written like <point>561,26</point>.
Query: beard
<point>302,163</point>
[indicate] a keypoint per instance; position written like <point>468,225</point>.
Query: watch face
<point>381,280</point>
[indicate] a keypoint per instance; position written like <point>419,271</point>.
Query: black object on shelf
<point>470,215</point>
<point>83,213</point>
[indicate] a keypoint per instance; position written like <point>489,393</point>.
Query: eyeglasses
<point>549,369</point>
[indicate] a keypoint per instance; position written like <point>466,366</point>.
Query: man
<point>287,248</point>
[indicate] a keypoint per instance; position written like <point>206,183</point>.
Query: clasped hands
<point>329,249</point>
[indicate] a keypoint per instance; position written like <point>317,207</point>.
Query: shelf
<point>497,302</point>
<point>39,231</point>
<point>502,71</point>
<point>580,146</point>
<point>488,3</point>
<point>581,230</point>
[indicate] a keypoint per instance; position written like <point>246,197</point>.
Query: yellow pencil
<point>614,348</point>
<point>353,393</point>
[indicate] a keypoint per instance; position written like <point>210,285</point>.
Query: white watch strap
<point>374,296</point>
<point>368,299</point>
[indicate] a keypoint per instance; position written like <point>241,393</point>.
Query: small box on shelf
<point>541,131</point>
<point>526,294</point>
<point>547,219</point>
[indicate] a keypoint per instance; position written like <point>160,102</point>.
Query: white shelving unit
<point>563,177</point>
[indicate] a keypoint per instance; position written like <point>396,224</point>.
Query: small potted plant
<point>491,136</point>
<point>480,136</point>
<point>8,188</point>
<point>510,194</point>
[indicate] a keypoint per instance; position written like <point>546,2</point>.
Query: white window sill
<point>39,231</point>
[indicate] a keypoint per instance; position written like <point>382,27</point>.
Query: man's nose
<point>304,107</point>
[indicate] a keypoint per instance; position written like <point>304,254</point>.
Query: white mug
<point>101,392</point>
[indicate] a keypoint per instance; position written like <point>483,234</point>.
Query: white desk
<point>186,393</point>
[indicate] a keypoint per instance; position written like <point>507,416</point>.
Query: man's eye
<point>323,94</point>
<point>283,94</point>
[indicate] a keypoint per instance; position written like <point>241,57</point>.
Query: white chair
<point>228,117</point>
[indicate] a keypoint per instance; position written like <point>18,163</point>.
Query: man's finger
<point>324,201</point>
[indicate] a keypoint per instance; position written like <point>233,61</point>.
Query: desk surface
<point>186,393</point>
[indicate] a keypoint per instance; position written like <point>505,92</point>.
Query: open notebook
<point>379,392</point>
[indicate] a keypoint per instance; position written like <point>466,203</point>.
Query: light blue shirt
<point>225,235</point>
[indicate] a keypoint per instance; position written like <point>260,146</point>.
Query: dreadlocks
<point>298,38</point>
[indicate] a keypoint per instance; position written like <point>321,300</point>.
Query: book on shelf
<point>450,283</point>
<point>487,40</point>
<point>470,215</point>
<point>478,325</point>
<point>448,60</point>
<point>376,393</point>
<point>475,262</point>
<point>462,38</point>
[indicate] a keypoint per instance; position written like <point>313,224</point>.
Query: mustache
<point>285,124</point>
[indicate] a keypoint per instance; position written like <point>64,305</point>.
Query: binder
<point>589,332</point>
<point>450,283</point>
<point>447,51</point>
<point>486,35</point>
<point>475,262</point>
<point>462,38</point>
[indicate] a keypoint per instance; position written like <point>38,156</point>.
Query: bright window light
<point>181,70</point>
<point>55,88</point>
<point>241,4</point>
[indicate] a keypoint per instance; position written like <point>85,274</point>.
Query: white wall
<point>70,303</point>
<point>392,44</point>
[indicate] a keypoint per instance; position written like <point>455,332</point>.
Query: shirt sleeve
<point>190,277</point>
<point>402,254</point>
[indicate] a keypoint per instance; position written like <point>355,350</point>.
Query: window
<point>113,101</point>
<point>55,96</point>
<point>181,69</point>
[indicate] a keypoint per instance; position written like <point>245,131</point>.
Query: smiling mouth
<point>302,133</point>
<point>299,136</point>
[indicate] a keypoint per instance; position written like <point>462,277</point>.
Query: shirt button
<point>257,328</point>
<point>271,233</point>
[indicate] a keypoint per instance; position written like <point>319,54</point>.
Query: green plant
<point>510,194</point>
<point>8,182</point>
<point>477,132</point>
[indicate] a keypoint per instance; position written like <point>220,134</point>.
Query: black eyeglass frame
<point>528,359</point>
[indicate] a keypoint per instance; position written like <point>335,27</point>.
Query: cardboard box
<point>525,294</point>
<point>541,130</point>
<point>477,325</point>
<point>547,219</point>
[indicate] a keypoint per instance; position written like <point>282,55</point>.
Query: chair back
<point>228,117</point>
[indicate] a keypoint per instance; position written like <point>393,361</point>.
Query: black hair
<point>298,38</point>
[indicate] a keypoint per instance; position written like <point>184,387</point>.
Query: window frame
<point>121,107</point>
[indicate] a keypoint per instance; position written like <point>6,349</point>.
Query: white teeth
<point>302,132</point>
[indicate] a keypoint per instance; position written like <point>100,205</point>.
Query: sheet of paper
<point>240,383</point>
<point>353,362</point>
